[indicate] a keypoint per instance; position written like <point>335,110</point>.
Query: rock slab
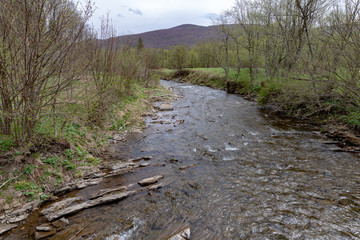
<point>165,107</point>
<point>149,181</point>
<point>107,191</point>
<point>6,227</point>
<point>88,204</point>
<point>183,235</point>
<point>18,218</point>
<point>43,235</point>
<point>59,205</point>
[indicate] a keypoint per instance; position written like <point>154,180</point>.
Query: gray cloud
<point>212,16</point>
<point>135,11</point>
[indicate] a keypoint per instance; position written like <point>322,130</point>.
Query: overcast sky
<point>137,16</point>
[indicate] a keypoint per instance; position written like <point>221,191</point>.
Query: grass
<point>68,145</point>
<point>244,74</point>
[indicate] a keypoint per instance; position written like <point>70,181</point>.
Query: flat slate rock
<point>87,183</point>
<point>165,107</point>
<point>107,191</point>
<point>62,204</point>
<point>44,235</point>
<point>18,218</point>
<point>122,166</point>
<point>183,235</point>
<point>63,190</point>
<point>88,204</point>
<point>149,181</point>
<point>6,227</point>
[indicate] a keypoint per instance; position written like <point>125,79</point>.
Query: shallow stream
<point>231,170</point>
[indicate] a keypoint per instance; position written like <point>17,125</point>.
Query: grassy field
<point>244,74</point>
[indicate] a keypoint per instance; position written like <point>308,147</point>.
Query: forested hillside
<point>186,34</point>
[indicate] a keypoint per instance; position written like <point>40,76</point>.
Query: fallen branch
<point>2,185</point>
<point>327,109</point>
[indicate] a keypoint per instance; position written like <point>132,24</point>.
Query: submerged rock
<point>60,224</point>
<point>186,167</point>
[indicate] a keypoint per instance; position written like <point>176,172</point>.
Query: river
<point>232,170</point>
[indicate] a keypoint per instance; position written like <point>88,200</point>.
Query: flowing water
<point>232,171</point>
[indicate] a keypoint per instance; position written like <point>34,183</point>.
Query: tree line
<point>309,47</point>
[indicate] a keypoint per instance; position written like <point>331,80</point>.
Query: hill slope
<point>186,34</point>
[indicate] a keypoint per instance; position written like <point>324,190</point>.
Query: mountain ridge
<point>185,34</point>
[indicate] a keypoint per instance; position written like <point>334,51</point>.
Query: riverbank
<point>47,169</point>
<point>295,99</point>
<point>215,154</point>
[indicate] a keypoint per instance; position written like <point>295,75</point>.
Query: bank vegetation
<point>65,93</point>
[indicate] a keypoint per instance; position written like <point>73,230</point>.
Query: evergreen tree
<point>140,44</point>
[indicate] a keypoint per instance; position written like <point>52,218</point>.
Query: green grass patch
<point>50,160</point>
<point>6,143</point>
<point>351,117</point>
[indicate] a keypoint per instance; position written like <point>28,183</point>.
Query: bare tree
<point>222,57</point>
<point>341,31</point>
<point>245,16</point>
<point>40,42</point>
<point>105,68</point>
<point>309,12</point>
